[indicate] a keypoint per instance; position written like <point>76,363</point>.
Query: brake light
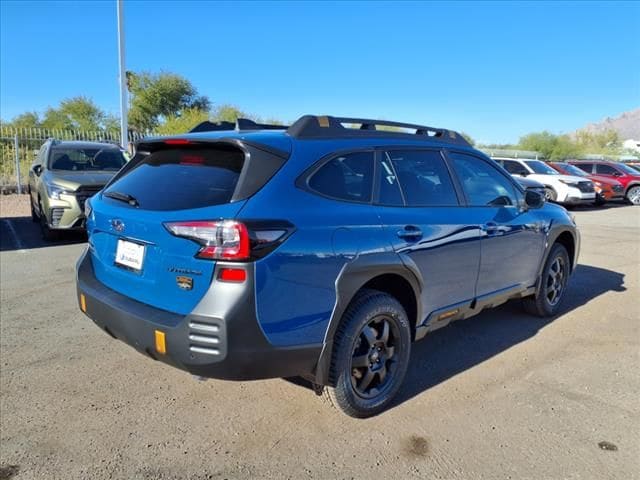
<point>220,240</point>
<point>177,141</point>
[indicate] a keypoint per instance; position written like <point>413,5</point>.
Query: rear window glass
<point>83,159</point>
<point>184,178</point>
<point>347,177</point>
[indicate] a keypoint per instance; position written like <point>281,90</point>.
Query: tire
<point>550,194</point>
<point>34,214</point>
<point>371,351</point>
<point>633,195</point>
<point>552,285</point>
<point>47,234</point>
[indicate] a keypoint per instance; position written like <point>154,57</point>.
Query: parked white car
<point>559,188</point>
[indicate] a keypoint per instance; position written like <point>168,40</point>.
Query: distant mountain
<point>626,124</point>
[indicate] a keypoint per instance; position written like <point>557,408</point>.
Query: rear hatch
<point>133,252</point>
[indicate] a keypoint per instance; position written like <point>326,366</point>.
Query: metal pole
<point>124,138</point>
<point>15,147</point>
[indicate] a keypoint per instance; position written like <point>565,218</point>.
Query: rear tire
<point>370,355</point>
<point>633,195</point>
<point>552,285</point>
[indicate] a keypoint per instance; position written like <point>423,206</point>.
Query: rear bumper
<point>230,346</point>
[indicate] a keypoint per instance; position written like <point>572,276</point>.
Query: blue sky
<point>495,70</point>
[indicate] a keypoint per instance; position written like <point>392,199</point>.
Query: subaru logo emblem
<point>117,225</point>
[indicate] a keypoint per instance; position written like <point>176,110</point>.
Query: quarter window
<point>482,183</point>
<point>423,177</point>
<point>347,177</point>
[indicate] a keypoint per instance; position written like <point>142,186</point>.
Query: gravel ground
<point>502,395</point>
<point>14,206</point>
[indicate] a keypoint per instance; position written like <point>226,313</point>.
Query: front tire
<point>550,194</point>
<point>47,234</point>
<point>370,355</point>
<point>552,285</point>
<point>633,195</point>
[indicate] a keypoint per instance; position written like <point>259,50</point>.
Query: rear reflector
<point>161,345</point>
<point>232,275</point>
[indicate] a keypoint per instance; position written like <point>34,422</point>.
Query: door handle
<point>410,232</point>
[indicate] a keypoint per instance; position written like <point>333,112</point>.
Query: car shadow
<point>465,344</point>
<point>606,206</point>
<point>20,233</point>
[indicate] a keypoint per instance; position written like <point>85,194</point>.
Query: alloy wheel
<point>634,195</point>
<point>373,361</point>
<point>555,281</point>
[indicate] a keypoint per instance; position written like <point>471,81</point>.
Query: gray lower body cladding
<point>229,346</point>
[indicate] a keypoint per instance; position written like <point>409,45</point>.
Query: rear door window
<point>587,167</point>
<point>423,176</point>
<point>181,178</point>
<point>346,177</point>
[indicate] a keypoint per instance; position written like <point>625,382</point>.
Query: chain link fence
<point>19,147</point>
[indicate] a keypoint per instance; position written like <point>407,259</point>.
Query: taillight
<point>223,240</point>
<point>233,240</point>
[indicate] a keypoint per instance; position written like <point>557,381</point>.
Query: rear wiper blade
<point>123,197</point>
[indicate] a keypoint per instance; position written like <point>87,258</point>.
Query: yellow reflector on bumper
<point>161,345</point>
<point>83,303</point>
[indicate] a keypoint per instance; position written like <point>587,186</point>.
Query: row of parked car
<point>577,182</point>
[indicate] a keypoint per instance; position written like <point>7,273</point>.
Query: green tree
<point>551,146</point>
<point>182,123</point>
<point>77,113</point>
<point>26,120</point>
<point>157,97</point>
<point>229,113</point>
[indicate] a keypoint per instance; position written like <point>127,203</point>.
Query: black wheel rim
<point>374,357</point>
<point>554,284</point>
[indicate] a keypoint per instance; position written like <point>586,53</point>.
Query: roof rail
<point>318,127</point>
<point>246,124</point>
<point>208,126</point>
<point>240,124</point>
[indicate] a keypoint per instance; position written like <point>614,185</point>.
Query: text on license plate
<point>130,254</point>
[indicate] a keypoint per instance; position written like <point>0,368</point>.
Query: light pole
<point>124,137</point>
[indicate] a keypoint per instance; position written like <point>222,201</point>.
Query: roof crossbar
<point>318,127</point>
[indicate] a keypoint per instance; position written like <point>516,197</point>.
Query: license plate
<point>130,255</point>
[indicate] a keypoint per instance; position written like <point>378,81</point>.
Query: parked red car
<point>607,189</point>
<point>627,176</point>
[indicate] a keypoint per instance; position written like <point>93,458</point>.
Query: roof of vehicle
<point>83,144</point>
<point>322,128</point>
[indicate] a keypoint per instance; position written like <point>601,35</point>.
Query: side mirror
<point>617,174</point>
<point>533,199</point>
<point>524,173</point>
<point>37,169</point>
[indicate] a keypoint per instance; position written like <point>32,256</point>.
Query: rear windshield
<point>180,179</point>
<point>83,159</point>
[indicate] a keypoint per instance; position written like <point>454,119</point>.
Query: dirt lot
<point>502,395</point>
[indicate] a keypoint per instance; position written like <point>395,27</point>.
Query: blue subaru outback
<point>321,250</point>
